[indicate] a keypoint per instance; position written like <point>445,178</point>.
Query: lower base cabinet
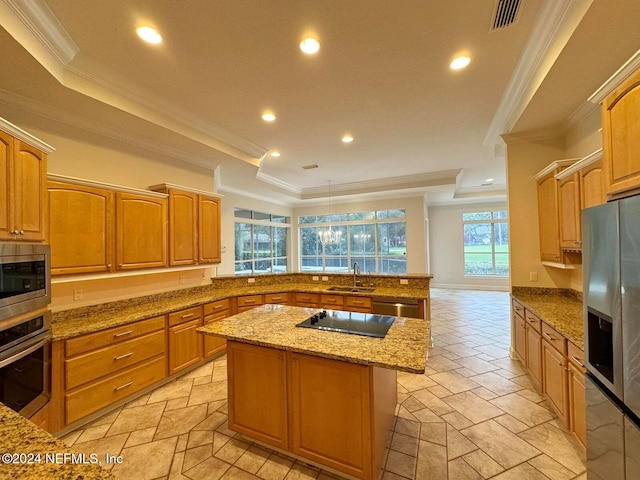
<point>185,343</point>
<point>331,412</point>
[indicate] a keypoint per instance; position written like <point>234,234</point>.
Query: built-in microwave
<point>25,282</point>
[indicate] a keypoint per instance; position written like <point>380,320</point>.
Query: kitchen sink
<point>351,289</point>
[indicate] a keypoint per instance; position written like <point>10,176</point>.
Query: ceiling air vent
<point>310,167</point>
<point>504,13</point>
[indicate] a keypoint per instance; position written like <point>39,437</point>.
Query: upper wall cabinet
<point>81,228</point>
<point>621,138</point>
<point>23,185</point>
<point>194,225</point>
<point>548,211</point>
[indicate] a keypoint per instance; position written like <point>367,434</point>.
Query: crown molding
<point>580,164</point>
<point>616,79</point>
<point>109,186</point>
<point>554,25</point>
<point>25,137</point>
<point>497,190</point>
<point>552,167</point>
<point>172,186</point>
<point>276,182</point>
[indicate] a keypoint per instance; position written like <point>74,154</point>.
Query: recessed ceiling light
<point>268,116</point>
<point>347,138</point>
<point>489,180</point>
<point>275,153</point>
<point>149,35</point>
<point>309,45</point>
<point>460,62</point>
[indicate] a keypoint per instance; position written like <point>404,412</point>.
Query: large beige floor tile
<point>454,381</point>
<point>137,418</point>
<point>458,469</point>
<point>527,412</point>
<point>557,444</point>
<point>521,472</point>
<point>275,468</point>
<point>473,407</point>
<point>147,461</point>
<point>432,462</point>
<point>176,422</point>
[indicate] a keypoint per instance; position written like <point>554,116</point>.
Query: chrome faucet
<point>356,272</point>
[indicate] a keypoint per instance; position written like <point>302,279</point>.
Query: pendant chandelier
<point>328,235</point>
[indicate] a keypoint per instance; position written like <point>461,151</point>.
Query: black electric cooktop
<point>369,324</point>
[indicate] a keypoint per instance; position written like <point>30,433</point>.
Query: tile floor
<point>473,415</point>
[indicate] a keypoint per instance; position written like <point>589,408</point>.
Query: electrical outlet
<point>325,279</point>
<point>404,281</point>
<point>315,278</point>
<point>533,276</point>
<point>251,280</point>
<point>77,294</point>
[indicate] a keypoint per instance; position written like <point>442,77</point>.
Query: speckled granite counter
<point>560,308</point>
<point>404,347</point>
<point>71,323</point>
<point>19,436</point>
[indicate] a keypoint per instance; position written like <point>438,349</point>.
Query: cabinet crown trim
<point>614,81</point>
<point>91,183</point>
<point>25,137</point>
<point>580,164</point>
<point>553,167</point>
<point>171,186</point>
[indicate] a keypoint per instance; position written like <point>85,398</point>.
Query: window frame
<point>495,217</point>
<point>280,222</point>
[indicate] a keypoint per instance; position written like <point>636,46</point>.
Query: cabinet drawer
<point>280,298</point>
<point>576,356</point>
<point>533,321</point>
<point>332,301</point>
<point>98,395</point>
<point>85,343</point>
<point>216,316</point>
<point>518,308</point>
<point>93,365</point>
<point>187,315</point>
<point>554,338</point>
<point>357,302</point>
<point>307,298</point>
<point>249,301</point>
<point>216,307</point>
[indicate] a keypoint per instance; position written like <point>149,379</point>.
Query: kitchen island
<point>327,397</point>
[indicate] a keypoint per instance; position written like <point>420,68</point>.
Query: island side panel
<point>384,398</point>
<point>257,391</point>
<point>330,413</point>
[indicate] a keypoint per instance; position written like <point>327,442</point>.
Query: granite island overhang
<point>327,397</point>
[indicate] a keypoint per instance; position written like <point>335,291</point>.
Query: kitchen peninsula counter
<point>20,436</point>
<point>404,347</point>
<point>79,321</point>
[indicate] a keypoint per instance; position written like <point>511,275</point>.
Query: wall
<point>415,218</point>
<point>525,158</point>
<point>447,243</point>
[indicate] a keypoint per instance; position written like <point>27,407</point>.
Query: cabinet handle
<point>548,337</point>
<point>217,307</point>
<point>108,265</point>
<point>331,300</point>
<point>120,357</point>
<point>128,384</point>
<point>357,302</point>
<point>122,334</point>
<point>21,232</point>
<point>578,361</point>
<point>248,302</point>
<point>187,315</point>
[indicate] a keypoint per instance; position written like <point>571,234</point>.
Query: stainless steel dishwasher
<point>396,306</point>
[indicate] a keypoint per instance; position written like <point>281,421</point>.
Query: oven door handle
<point>21,353</point>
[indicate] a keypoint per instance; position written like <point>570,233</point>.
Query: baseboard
<point>458,286</point>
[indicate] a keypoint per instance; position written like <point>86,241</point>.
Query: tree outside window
<point>486,243</point>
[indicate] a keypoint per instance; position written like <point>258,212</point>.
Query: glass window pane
<point>261,216</point>
<point>243,241</point>
<point>312,264</point>
<point>242,213</point>
<point>338,217</point>
<point>263,266</point>
<point>243,268</point>
<point>501,214</point>
<point>308,219</point>
<point>310,241</point>
<point>280,241</point>
<point>502,264</point>
<point>392,265</point>
<point>279,265</point>
<point>476,216</point>
<point>336,264</point>
<point>501,237</point>
<point>261,241</point>
<point>478,264</point>
<point>477,236</point>
<point>363,240</point>
<point>392,238</point>
<point>339,248</point>
<point>279,219</point>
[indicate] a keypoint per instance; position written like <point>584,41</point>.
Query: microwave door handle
<point>23,353</point>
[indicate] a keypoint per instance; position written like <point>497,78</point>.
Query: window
<point>486,243</point>
<point>374,239</point>
<point>261,242</point>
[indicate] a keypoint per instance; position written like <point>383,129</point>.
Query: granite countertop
<point>404,347</point>
<point>557,307</point>
<point>20,436</point>
<point>80,321</point>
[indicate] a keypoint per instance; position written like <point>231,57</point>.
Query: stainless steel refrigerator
<point>611,284</point>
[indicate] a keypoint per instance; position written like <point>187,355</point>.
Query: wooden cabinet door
<point>569,208</point>
<point>213,345</point>
<point>592,185</point>
<point>208,229</point>
<point>81,233</point>
<point>29,173</point>
<point>257,379</point>
<point>141,231</point>
<point>554,377</point>
<point>577,404</point>
<point>548,220</point>
<point>6,205</point>
<point>621,137</point>
<point>331,413</point>
<point>534,353</point>
<point>183,242</point>
<point>519,338</point>
<point>185,345</point>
